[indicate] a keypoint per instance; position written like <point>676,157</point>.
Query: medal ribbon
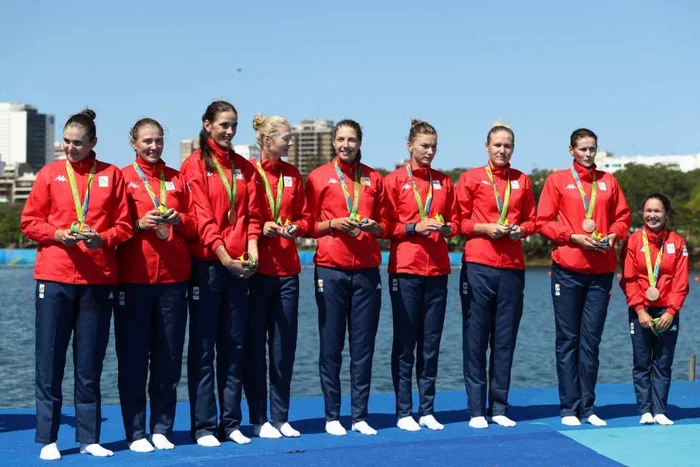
<point>352,205</point>
<point>230,187</point>
<point>424,210</point>
<point>274,205</point>
<point>147,186</point>
<point>653,274</point>
<point>80,210</point>
<point>502,205</point>
<point>588,206</point>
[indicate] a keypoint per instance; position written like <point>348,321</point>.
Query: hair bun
<point>416,121</point>
<point>258,120</point>
<point>500,123</point>
<point>88,112</point>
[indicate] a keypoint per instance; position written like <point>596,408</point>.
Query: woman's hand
<point>65,237</point>
<point>645,319</point>
<point>584,241</point>
<point>171,216</point>
<point>664,322</point>
<point>93,240</point>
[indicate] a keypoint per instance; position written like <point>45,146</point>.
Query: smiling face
<point>423,149</point>
<point>500,148</point>
<point>76,143</point>
<point>584,152</point>
<point>346,144</point>
<point>654,214</point>
<point>279,143</point>
<point>148,143</point>
<point>223,128</point>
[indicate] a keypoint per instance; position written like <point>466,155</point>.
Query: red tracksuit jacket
<point>327,201</point>
<point>418,254</point>
<point>477,205</point>
<point>279,256</point>
<point>211,204</point>
<point>673,273</point>
<point>146,259</point>
<point>50,207</point>
<point>561,200</point>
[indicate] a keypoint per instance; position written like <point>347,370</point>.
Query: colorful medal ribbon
<point>274,205</point>
<point>652,273</point>
<point>80,210</point>
<point>158,204</point>
<point>424,210</point>
<point>588,206</point>
<point>502,205</point>
<point>230,187</point>
<point>352,205</point>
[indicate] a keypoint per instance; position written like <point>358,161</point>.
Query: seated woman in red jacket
<point>422,213</point>
<point>655,282</point>
<point>497,210</point>
<point>77,212</point>
<point>151,312</point>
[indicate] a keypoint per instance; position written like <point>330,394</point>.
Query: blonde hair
<point>419,127</point>
<point>499,125</point>
<point>267,126</point>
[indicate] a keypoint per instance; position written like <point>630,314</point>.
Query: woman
<point>222,185</point>
<point>274,289</point>
<point>422,213</point>
<point>497,208</point>
<point>346,200</point>
<point>655,281</point>
<point>583,211</point>
<point>154,267</point>
<point>77,213</point>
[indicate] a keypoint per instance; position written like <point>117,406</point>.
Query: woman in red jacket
<point>422,213</point>
<point>583,211</point>
<point>223,191</point>
<point>346,200</point>
<point>274,289</point>
<point>497,208</point>
<point>655,281</point>
<point>154,268</point>
<point>78,214</point>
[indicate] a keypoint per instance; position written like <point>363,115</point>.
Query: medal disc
<point>231,216</point>
<point>589,226</point>
<point>163,231</point>
<point>354,233</point>
<point>652,294</point>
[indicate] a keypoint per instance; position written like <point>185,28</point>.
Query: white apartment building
<point>611,163</point>
<point>26,136</point>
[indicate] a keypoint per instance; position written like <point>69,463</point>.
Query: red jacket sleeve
<point>465,200</point>
<point>34,220</point>
<point>255,216</point>
<point>451,210</point>
<point>380,214</point>
<point>628,283</point>
<point>547,211</point>
<point>314,206</point>
<point>120,219</point>
<point>621,216</point>
<point>208,230</point>
<point>187,227</point>
<point>301,214</point>
<point>679,285</point>
<point>396,230</point>
<point>528,215</point>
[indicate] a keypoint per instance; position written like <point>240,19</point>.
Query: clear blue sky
<point>628,70</point>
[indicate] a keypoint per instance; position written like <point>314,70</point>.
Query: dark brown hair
<point>85,119</point>
<point>134,132</point>
<point>213,109</point>
<point>580,134</point>
<point>350,124</point>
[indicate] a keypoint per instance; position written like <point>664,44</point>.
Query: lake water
<point>533,365</point>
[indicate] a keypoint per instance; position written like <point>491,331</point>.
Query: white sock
<point>208,441</point>
<point>662,419</point>
<point>50,452</point>
<point>160,441</point>
<point>596,420</point>
<point>502,420</point>
<point>141,445</point>
<point>266,431</point>
<point>647,419</point>
<point>478,422</point>
<point>335,428</point>
<point>364,429</point>
<point>287,430</point>
<point>407,424</point>
<point>430,423</point>
<point>95,450</point>
<point>237,437</point>
<point>570,420</point>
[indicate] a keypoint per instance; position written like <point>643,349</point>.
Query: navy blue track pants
<point>62,310</point>
<point>272,327</point>
<point>653,357</point>
<point>418,307</point>
<point>580,308</point>
<point>492,305</point>
<point>149,329</point>
<point>218,306</point>
<point>352,299</point>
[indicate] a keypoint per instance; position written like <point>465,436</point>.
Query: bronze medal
<point>589,226</point>
<point>163,231</point>
<point>652,294</point>
<point>231,216</point>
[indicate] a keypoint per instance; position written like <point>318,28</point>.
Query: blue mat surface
<point>538,439</point>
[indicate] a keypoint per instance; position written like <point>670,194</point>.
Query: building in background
<point>58,154</point>
<point>247,150</point>
<point>313,145</point>
<point>186,148</point>
<point>610,163</point>
<point>26,136</point>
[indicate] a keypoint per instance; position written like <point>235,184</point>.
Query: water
<point>533,365</point>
